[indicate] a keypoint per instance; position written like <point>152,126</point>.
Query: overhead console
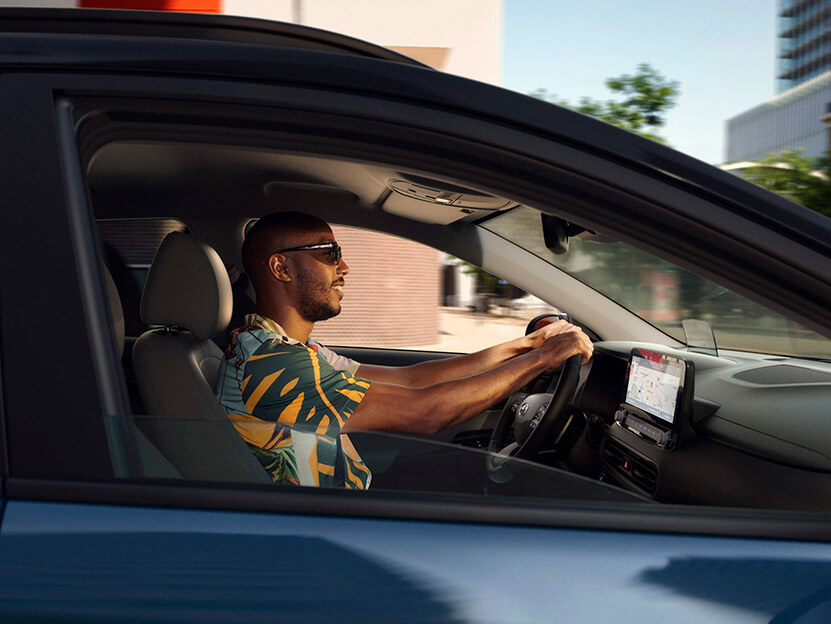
<point>653,417</point>
<point>433,201</point>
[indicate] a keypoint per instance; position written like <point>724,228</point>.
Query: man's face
<point>319,281</point>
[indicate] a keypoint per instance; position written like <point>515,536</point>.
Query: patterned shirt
<point>288,401</point>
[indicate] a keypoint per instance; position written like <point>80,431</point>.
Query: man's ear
<point>277,267</point>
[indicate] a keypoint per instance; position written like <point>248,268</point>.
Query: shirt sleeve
<point>338,362</point>
<point>297,387</point>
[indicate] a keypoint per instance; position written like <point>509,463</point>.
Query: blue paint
<point>142,565</point>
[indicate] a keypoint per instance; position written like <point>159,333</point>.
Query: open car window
<point>232,175</point>
<point>399,275</point>
<point>402,294</point>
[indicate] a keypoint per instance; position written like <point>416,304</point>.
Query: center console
<point>652,419</point>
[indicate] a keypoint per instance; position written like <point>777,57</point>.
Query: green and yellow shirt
<point>288,401</point>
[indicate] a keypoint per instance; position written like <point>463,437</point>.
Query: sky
<point>722,52</point>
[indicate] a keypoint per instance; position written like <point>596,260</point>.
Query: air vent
<point>630,467</point>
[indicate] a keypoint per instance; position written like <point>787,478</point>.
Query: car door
<point>82,537</point>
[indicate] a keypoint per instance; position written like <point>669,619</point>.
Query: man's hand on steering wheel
<point>529,422</point>
<point>559,341</point>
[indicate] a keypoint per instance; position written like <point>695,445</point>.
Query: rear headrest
<point>187,287</point>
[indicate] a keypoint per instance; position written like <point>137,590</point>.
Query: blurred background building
<point>795,117</point>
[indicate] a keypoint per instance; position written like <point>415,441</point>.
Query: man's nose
<point>342,267</point>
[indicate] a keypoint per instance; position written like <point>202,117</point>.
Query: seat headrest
<point>187,287</point>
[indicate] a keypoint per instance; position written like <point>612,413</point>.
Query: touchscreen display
<point>654,384</point>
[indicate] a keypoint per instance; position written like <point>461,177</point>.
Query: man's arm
<point>392,407</point>
<point>429,373</point>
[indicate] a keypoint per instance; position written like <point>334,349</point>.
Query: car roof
<point>165,24</point>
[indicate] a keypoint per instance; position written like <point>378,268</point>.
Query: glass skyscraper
<point>794,119</point>
<point>804,41</point>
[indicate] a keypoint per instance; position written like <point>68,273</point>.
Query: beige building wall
<point>469,31</point>
<point>280,10</point>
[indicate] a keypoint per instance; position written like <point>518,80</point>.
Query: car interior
<point>732,428</point>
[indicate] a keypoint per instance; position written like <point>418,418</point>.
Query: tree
<point>806,181</point>
<point>647,96</point>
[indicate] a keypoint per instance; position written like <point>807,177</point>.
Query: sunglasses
<point>335,253</point>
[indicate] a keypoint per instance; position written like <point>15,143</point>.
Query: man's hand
<point>561,340</point>
<point>539,336</point>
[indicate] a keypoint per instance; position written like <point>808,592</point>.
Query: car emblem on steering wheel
<point>523,410</point>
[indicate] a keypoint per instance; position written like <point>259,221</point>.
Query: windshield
<point>664,294</point>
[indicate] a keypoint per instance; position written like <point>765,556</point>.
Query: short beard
<point>314,302</point>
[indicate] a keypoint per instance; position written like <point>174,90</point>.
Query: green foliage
<point>485,282</point>
<point>804,180</point>
<point>646,97</point>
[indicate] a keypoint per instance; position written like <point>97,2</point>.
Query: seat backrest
<point>188,294</point>
<point>151,462</point>
<point>116,311</point>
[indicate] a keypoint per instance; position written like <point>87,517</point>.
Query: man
<point>292,400</point>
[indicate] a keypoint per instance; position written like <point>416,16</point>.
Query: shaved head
<point>274,231</point>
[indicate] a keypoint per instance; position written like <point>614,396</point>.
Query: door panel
<point>95,562</point>
<point>389,357</point>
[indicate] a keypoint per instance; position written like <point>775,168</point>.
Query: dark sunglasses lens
<point>335,254</point>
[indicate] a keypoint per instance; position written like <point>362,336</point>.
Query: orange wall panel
<point>191,6</point>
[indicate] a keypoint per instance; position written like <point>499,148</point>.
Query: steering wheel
<point>536,418</point>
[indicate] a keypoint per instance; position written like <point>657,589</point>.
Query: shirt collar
<point>258,320</point>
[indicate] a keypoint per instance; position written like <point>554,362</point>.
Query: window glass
<point>400,294</point>
<point>665,294</point>
<point>398,463</point>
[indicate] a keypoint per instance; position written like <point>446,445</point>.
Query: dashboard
<point>755,430</point>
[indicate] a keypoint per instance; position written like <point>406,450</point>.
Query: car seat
<point>116,311</point>
<point>187,297</point>
<point>131,443</point>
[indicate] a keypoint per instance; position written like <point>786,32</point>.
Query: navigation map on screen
<point>654,384</point>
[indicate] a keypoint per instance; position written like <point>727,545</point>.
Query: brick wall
<point>391,297</point>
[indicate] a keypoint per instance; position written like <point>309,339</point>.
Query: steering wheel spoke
<point>535,418</point>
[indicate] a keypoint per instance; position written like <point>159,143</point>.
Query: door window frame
<point>75,145</point>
